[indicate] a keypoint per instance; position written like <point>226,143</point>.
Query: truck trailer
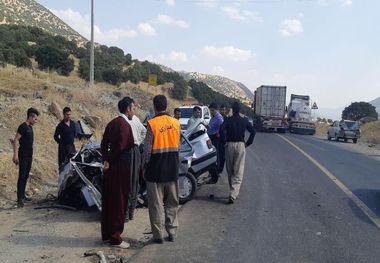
<point>299,115</point>
<point>269,108</point>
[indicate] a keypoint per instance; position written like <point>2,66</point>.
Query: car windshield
<point>352,125</point>
<point>186,112</point>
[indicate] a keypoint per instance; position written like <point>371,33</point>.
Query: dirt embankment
<point>21,89</point>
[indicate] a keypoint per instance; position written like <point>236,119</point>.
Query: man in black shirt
<point>64,135</point>
<point>234,134</point>
<point>23,155</point>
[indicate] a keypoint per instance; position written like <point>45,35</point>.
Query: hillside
<point>376,103</point>
<point>222,85</point>
<point>21,89</point>
<point>31,13</point>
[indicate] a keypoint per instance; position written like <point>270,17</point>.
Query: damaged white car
<point>81,178</point>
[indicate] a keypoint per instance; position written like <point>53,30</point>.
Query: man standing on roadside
<point>177,113</point>
<point>116,145</point>
<point>214,128</point>
<point>23,155</point>
<point>234,129</point>
<point>161,158</point>
<point>221,151</point>
<point>64,135</point>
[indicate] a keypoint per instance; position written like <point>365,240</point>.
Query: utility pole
<point>92,46</point>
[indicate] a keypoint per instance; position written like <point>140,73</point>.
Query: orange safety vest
<point>166,134</point>
<point>163,165</point>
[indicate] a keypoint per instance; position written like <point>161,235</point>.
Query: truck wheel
<point>345,140</point>
<point>187,187</point>
<point>354,140</point>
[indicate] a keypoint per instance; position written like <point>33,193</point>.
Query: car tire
<point>187,187</point>
<point>354,140</point>
<point>336,137</point>
<point>328,137</point>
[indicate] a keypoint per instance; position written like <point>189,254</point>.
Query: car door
<point>335,129</point>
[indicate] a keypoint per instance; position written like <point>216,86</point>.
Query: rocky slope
<point>31,13</point>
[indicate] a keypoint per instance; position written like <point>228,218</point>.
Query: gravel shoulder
<point>51,235</point>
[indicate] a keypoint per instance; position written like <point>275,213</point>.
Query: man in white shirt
<point>139,133</point>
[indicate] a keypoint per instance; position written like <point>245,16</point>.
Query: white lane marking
<point>372,216</point>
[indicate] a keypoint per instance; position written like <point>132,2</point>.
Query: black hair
<point>197,108</point>
<point>32,112</point>
<point>177,110</point>
<point>124,103</point>
<point>66,109</point>
<point>213,105</point>
<point>236,107</point>
<point>160,103</point>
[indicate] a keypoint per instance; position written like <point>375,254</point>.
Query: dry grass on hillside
<point>321,128</point>
<point>21,89</point>
<point>371,132</point>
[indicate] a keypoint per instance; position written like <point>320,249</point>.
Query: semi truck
<point>299,115</point>
<point>269,108</point>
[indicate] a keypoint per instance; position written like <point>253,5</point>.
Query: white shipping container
<point>270,101</point>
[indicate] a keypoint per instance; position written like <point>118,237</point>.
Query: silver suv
<point>345,130</point>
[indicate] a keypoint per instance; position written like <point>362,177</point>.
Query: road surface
<point>289,209</point>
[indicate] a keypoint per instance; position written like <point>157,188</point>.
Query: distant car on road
<point>187,112</point>
<point>345,130</point>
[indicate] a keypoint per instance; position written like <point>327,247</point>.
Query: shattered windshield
<point>186,112</point>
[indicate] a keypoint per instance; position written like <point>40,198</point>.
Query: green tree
<point>358,110</point>
<point>128,59</point>
<point>179,90</point>
<point>113,76</point>
<point>49,57</point>
<point>21,59</point>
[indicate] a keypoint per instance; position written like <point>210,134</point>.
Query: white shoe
<point>123,245</point>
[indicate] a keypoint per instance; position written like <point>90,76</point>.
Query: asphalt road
<point>288,209</point>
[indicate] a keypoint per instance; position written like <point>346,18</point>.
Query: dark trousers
<point>221,157</point>
<point>136,164</point>
<point>25,163</point>
<point>63,151</point>
<point>219,152</point>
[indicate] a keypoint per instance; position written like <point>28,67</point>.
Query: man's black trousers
<point>25,163</point>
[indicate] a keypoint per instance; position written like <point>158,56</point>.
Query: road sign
<point>314,107</point>
<point>152,79</point>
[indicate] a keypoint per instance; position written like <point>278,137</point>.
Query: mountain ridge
<point>31,13</point>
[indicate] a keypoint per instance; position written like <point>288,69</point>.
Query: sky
<point>328,49</point>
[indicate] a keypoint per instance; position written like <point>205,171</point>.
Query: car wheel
<point>354,140</point>
<point>336,137</point>
<point>187,187</point>
<point>328,137</point>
